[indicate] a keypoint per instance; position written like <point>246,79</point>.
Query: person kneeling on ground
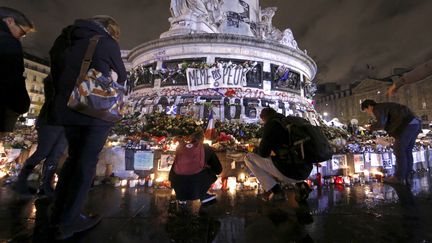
<point>194,170</point>
<point>266,165</point>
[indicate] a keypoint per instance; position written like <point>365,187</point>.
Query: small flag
<point>210,127</point>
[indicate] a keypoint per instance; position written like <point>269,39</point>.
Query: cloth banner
<point>216,77</point>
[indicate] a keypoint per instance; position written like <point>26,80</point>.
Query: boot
<point>20,186</point>
<point>46,188</point>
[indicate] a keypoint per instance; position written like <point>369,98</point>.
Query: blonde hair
<point>19,18</point>
<point>110,24</point>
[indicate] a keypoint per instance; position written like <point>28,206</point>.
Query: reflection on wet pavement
<point>360,213</point>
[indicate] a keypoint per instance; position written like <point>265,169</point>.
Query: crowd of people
<point>195,167</point>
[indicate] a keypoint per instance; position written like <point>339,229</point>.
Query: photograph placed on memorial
<point>165,162</point>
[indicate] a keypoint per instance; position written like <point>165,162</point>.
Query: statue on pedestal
<point>185,7</point>
<point>268,31</point>
<point>288,39</point>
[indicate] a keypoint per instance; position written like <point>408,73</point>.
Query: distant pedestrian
<point>399,122</point>
<point>14,99</point>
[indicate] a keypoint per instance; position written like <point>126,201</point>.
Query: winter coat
<point>67,54</point>
<point>274,136</point>
<point>13,92</point>
<point>392,117</point>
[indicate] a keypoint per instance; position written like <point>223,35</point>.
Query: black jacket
<point>13,92</point>
<point>67,54</point>
<point>274,139</point>
<point>392,117</point>
<point>273,136</point>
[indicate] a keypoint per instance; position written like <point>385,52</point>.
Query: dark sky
<point>344,37</point>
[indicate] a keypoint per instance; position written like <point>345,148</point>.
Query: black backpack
<point>306,142</point>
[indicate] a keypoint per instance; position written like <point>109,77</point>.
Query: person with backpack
<point>272,165</point>
<point>194,170</point>
<point>399,122</point>
<point>86,135</point>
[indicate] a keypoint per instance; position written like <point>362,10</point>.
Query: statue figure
<point>184,7</point>
<point>268,31</point>
<point>214,10</point>
<point>288,39</point>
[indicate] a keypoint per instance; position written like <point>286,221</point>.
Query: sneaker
<point>208,199</point>
<point>302,191</point>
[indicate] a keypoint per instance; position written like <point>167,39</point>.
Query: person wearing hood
<point>86,135</point>
<point>14,99</point>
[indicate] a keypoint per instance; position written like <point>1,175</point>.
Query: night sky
<point>349,39</point>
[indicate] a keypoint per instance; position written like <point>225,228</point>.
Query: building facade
<point>36,69</point>
<point>345,104</point>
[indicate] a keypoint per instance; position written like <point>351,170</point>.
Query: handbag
<point>95,94</point>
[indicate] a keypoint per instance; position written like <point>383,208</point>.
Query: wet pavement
<point>373,212</point>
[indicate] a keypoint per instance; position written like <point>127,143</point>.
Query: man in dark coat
<point>265,164</point>
<point>86,135</point>
<point>399,122</point>
<point>14,99</point>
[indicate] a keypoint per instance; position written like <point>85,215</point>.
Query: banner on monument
<point>216,77</point>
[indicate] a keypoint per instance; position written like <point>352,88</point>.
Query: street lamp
<point>325,114</point>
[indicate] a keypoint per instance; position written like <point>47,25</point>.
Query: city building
<point>36,69</point>
<point>344,104</point>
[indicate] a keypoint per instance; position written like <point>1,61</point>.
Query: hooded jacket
<point>67,54</point>
<point>13,92</point>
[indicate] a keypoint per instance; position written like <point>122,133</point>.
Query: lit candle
<point>132,183</point>
<point>141,182</point>
<point>241,177</point>
<point>232,183</point>
<point>124,182</point>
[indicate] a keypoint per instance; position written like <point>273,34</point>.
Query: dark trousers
<point>402,149</point>
<point>51,145</point>
<point>85,144</point>
<point>192,187</point>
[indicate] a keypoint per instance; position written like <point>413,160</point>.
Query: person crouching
<point>194,170</point>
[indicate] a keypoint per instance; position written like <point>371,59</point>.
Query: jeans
<point>76,176</point>
<point>51,145</point>
<point>402,149</point>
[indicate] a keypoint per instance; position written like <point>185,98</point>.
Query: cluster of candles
<point>139,182</point>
